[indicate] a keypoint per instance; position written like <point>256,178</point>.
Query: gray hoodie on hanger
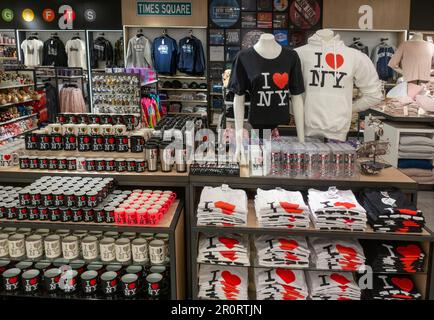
<point>139,52</point>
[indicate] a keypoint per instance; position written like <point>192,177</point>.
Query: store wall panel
<point>387,14</point>
<point>197,18</point>
<point>422,15</point>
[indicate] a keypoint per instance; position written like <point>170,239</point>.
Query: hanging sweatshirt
<point>330,71</point>
<point>164,54</point>
<point>139,52</point>
<point>191,57</point>
<point>76,51</point>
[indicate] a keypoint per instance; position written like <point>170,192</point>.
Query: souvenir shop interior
<point>217,150</point>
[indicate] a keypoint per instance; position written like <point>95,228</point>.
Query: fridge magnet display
<point>216,37</point>
<point>231,53</point>
<point>248,20</point>
<point>280,21</point>
<point>248,5</point>
<point>265,20</point>
<point>216,53</point>
<point>265,5</point>
<point>280,5</point>
<point>305,14</point>
<point>224,13</point>
<point>232,37</point>
<point>281,37</point>
<point>250,38</point>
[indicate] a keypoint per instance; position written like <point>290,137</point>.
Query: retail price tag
<point>405,110</point>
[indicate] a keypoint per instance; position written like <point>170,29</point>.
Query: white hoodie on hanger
<point>330,71</point>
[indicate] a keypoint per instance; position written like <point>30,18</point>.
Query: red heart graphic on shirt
<point>410,223</point>
<point>155,286</point>
<point>404,284</point>
<point>336,277</point>
<point>226,208</point>
<point>346,250</point>
<point>408,211</point>
<point>292,257</point>
<point>286,275</point>
<point>330,59</point>
<point>231,255</point>
<point>7,157</point>
<point>288,244</point>
<point>347,205</point>
<point>410,250</point>
<point>281,80</point>
<point>290,207</point>
<point>231,279</point>
<point>228,242</point>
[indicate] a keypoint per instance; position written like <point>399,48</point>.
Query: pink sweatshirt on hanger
<point>415,58</point>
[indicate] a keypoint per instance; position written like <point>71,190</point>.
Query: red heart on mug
<point>336,277</point>
<point>404,284</point>
<point>99,140</point>
<point>228,242</point>
<point>281,80</point>
<point>58,139</point>
<point>231,279</point>
<point>86,139</point>
<point>155,286</point>
<point>113,283</point>
<point>13,280</point>
<point>286,275</point>
<point>125,140</point>
<point>92,282</point>
<point>71,139</point>
<point>7,157</point>
<point>33,281</point>
<point>330,59</point>
<point>111,140</point>
<point>132,285</point>
<point>288,244</point>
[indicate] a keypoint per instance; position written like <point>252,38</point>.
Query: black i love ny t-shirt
<point>270,83</point>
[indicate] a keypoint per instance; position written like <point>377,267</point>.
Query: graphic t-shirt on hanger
<point>270,82</point>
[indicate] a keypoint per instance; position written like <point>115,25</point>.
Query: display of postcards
<point>264,5</point>
<point>280,21</point>
<point>216,53</point>
<point>281,37</point>
<point>265,20</point>
<point>232,37</point>
<point>248,19</point>
<point>280,5</point>
<point>231,53</point>
<point>216,37</point>
<point>305,14</point>
<point>250,38</point>
<point>248,5</point>
<point>224,13</point>
<point>216,70</point>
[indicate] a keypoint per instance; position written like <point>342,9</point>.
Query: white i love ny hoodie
<point>330,71</point>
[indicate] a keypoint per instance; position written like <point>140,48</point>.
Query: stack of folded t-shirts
<point>392,287</point>
<point>223,249</point>
<point>289,251</point>
<point>326,285</point>
<point>393,256</point>
<point>222,206</point>
<point>390,211</point>
<point>337,254</point>
<point>417,148</point>
<point>281,209</point>
<point>280,284</point>
<point>336,210</point>
<point>223,283</point>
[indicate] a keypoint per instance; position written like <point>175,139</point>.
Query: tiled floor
<point>426,204</point>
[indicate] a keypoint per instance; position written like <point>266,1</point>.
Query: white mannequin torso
<point>268,48</point>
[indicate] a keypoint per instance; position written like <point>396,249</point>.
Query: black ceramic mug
<point>109,283</point>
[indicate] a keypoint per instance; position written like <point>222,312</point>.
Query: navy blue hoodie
<point>164,54</point>
<point>191,58</point>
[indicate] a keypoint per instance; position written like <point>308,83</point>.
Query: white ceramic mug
<point>89,248</point>
<point>17,247</point>
<point>157,252</point>
<point>34,247</point>
<point>4,245</point>
<point>52,246</point>
<point>70,247</point>
<point>139,248</point>
<point>107,249</point>
<point>123,250</point>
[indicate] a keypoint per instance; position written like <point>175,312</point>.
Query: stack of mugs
<point>129,120</point>
<point>144,207</point>
<point>109,263</point>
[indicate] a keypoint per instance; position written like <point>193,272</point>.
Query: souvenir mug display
<point>131,121</point>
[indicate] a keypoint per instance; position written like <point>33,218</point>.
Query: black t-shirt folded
<point>392,287</point>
